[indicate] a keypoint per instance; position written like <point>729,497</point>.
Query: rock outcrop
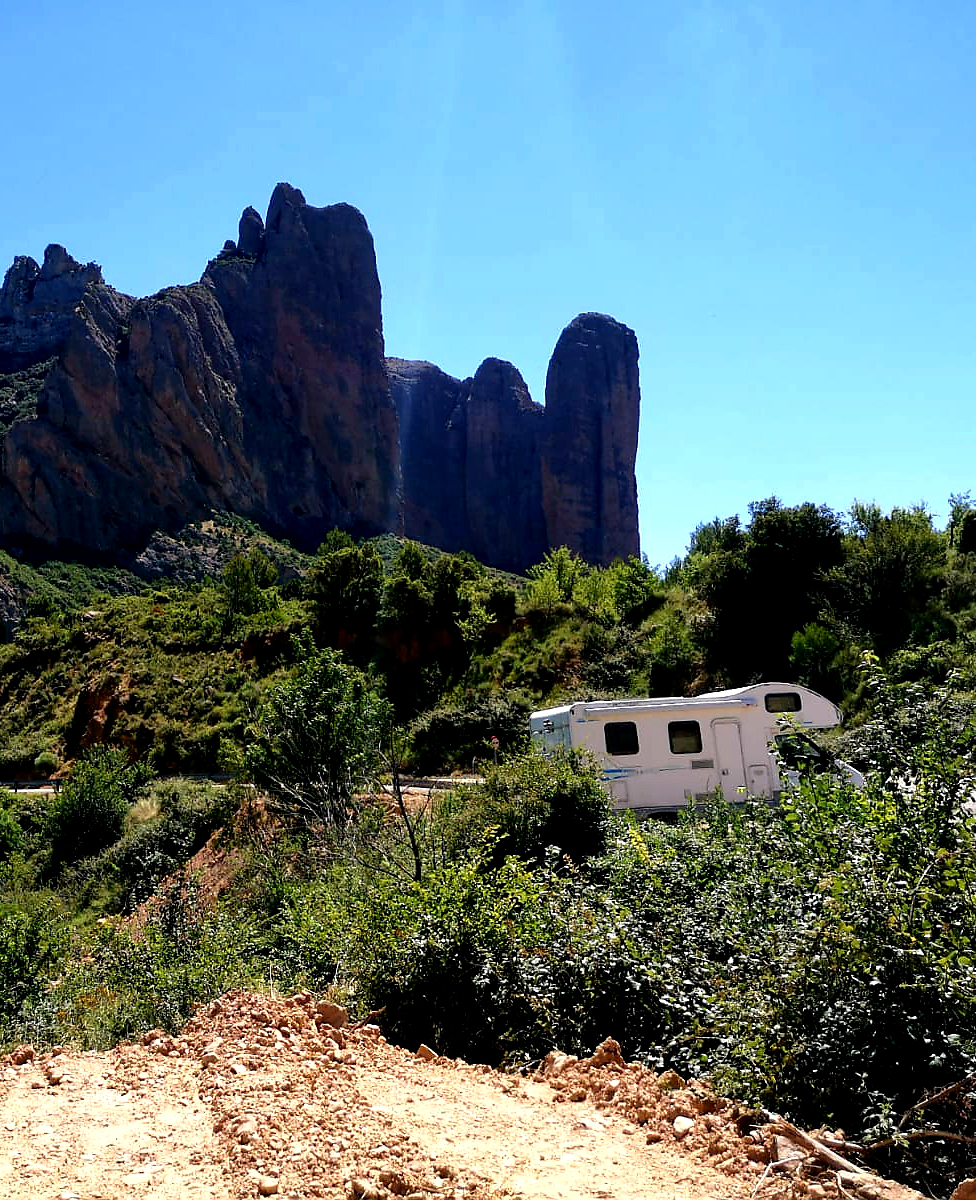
<point>263,390</point>
<point>37,305</point>
<point>486,469</point>
<point>588,455</point>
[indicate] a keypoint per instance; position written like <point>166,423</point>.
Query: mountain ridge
<point>264,390</point>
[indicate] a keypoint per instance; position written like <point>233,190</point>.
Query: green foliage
<point>46,762</point>
<point>453,736</point>
<point>532,805</point>
<point>554,583</point>
<point>888,586</point>
<point>344,586</point>
<point>11,834</point>
<point>315,740</point>
<point>89,813</point>
<point>182,814</point>
<point>760,585</point>
<point>673,660</point>
<point>126,983</point>
<point>246,580</point>
<point>33,940</point>
<point>20,392</point>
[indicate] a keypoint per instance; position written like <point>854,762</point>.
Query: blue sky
<point>777,197</point>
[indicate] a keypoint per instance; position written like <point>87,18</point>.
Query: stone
<point>555,1063</point>
<point>682,1126</point>
<point>261,390</point>
<point>38,305</point>
<point>487,470</point>
<point>607,1054</point>
<point>425,1052</point>
<point>268,1185</point>
<point>327,1013</point>
<point>869,1187</point>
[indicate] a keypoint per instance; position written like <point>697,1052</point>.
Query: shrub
<point>532,803</point>
<point>32,941</point>
<point>125,983</point>
<point>11,834</point>
<point>90,811</point>
<point>46,763</point>
<point>452,736</point>
<point>316,739</point>
<point>187,813</point>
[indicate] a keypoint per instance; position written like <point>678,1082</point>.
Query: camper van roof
<point>746,696</point>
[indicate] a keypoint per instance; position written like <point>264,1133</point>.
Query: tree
<point>244,579</point>
<point>344,586</point>
<point>90,811</point>
<point>761,585</point>
<point>887,589</point>
<point>315,742</point>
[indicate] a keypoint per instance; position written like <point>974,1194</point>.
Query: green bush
<point>11,834</point>
<point>452,737</point>
<point>125,983</point>
<point>315,741</point>
<point>90,811</point>
<point>33,940</point>
<point>531,804</point>
<point>134,867</point>
<point>46,763</point>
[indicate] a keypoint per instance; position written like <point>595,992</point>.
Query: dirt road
<point>270,1097</point>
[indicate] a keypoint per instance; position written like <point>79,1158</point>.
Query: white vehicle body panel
<point>664,753</point>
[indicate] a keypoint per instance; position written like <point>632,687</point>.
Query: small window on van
<point>780,702</point>
<point>621,737</point>
<point>684,737</point>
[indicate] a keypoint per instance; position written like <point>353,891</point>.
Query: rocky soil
<point>282,1097</point>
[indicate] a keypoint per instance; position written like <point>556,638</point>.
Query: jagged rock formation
<point>37,304</point>
<point>263,390</point>
<point>592,411</point>
<point>487,470</point>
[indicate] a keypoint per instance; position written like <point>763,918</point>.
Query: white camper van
<point>664,753</point>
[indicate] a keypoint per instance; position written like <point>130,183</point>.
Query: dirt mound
<point>263,1097</point>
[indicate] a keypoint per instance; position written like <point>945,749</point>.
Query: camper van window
<point>621,737</point>
<point>780,702</point>
<point>684,737</point>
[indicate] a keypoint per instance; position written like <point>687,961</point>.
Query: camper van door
<point>728,752</point>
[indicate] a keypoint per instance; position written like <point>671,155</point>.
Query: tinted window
<point>778,702</point>
<point>621,737</point>
<point>684,737</point>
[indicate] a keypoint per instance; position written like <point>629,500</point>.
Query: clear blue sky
<point>778,196</point>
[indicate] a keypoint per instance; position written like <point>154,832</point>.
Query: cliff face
<point>592,413</point>
<point>36,306</point>
<point>263,390</point>
<point>487,470</point>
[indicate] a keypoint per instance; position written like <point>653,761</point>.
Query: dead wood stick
<point>369,1019</point>
<point>842,1146</point>
<point>942,1135</point>
<point>780,1125</point>
<point>934,1099</point>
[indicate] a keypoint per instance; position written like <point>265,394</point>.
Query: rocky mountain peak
<point>264,391</point>
<point>250,233</point>
<point>37,304</point>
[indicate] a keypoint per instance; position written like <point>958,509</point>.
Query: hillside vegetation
<point>816,959</point>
